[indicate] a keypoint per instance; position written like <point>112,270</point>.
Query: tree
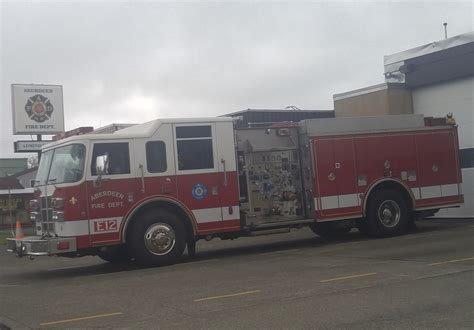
<point>32,161</point>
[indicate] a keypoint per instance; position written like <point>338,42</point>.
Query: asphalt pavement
<point>297,280</point>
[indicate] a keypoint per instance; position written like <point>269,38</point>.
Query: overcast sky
<point>122,62</point>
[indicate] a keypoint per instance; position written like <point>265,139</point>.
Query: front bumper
<point>39,246</point>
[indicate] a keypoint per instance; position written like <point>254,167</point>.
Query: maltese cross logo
<point>39,108</point>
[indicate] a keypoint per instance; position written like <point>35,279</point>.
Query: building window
<point>118,157</point>
<point>467,157</point>
<point>194,147</point>
<point>156,156</point>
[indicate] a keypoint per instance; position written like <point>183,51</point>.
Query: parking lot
<point>420,280</point>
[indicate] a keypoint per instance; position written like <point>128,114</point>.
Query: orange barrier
<point>18,231</point>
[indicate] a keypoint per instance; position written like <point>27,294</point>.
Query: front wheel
<point>157,238</point>
<point>114,254</point>
<point>387,214</point>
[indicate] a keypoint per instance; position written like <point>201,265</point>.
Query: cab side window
<point>118,157</point>
<point>156,156</point>
<point>194,147</point>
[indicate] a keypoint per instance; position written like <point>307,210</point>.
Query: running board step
<point>270,232</point>
<point>280,224</point>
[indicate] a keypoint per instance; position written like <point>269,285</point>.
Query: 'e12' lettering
<point>105,225</point>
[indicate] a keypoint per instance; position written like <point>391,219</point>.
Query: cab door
<point>205,170</point>
<point>197,170</point>
<point>158,165</point>
<point>110,200</point>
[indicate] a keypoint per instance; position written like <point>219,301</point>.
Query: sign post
<point>30,146</point>
<point>39,138</point>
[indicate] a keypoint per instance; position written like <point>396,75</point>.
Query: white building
<point>434,80</point>
<point>440,76</point>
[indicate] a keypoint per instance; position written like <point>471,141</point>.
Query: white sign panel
<point>37,109</point>
<point>29,146</point>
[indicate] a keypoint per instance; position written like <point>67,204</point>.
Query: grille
<point>46,215</point>
<point>45,201</point>
<point>37,247</point>
<point>46,222</point>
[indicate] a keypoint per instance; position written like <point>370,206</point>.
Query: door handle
<point>142,177</point>
<point>167,187</point>
<point>225,172</point>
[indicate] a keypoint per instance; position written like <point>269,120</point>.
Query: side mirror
<point>102,164</point>
<point>101,168</point>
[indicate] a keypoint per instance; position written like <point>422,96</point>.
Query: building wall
<point>18,203</point>
<point>10,166</point>
<point>400,102</point>
<point>456,97</point>
<point>370,104</point>
<point>380,101</point>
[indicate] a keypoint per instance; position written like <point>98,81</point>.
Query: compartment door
<point>335,178</point>
<point>227,175</point>
<point>325,176</point>
<point>346,178</point>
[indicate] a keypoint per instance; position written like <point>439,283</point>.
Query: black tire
<point>157,238</point>
<point>115,254</point>
<point>333,229</point>
<point>191,245</point>
<point>361,224</point>
<point>387,214</point>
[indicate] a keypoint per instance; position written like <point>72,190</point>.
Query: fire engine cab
<point>149,191</point>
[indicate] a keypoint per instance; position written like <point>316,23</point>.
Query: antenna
<point>445,30</point>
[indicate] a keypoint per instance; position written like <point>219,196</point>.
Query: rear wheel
<point>387,214</point>
<point>157,238</point>
<point>332,229</point>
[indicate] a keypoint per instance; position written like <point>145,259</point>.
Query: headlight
<point>34,205</point>
<point>58,216</point>
<point>34,216</point>
<point>57,203</point>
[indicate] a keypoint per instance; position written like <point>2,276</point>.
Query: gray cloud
<point>132,62</point>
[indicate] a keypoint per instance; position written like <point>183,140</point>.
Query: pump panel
<point>272,175</point>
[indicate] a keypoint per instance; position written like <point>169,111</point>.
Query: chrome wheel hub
<point>389,213</point>
<point>159,238</point>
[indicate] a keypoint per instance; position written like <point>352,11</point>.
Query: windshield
<point>62,165</point>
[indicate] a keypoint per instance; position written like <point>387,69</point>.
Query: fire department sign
<point>37,109</point>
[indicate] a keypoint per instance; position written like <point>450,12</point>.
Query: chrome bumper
<point>38,246</point>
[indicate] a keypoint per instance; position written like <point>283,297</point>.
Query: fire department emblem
<point>39,108</point>
<point>199,191</point>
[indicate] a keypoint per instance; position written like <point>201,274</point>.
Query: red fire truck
<point>149,191</point>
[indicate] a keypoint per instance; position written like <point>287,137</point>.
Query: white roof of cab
<point>138,131</point>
